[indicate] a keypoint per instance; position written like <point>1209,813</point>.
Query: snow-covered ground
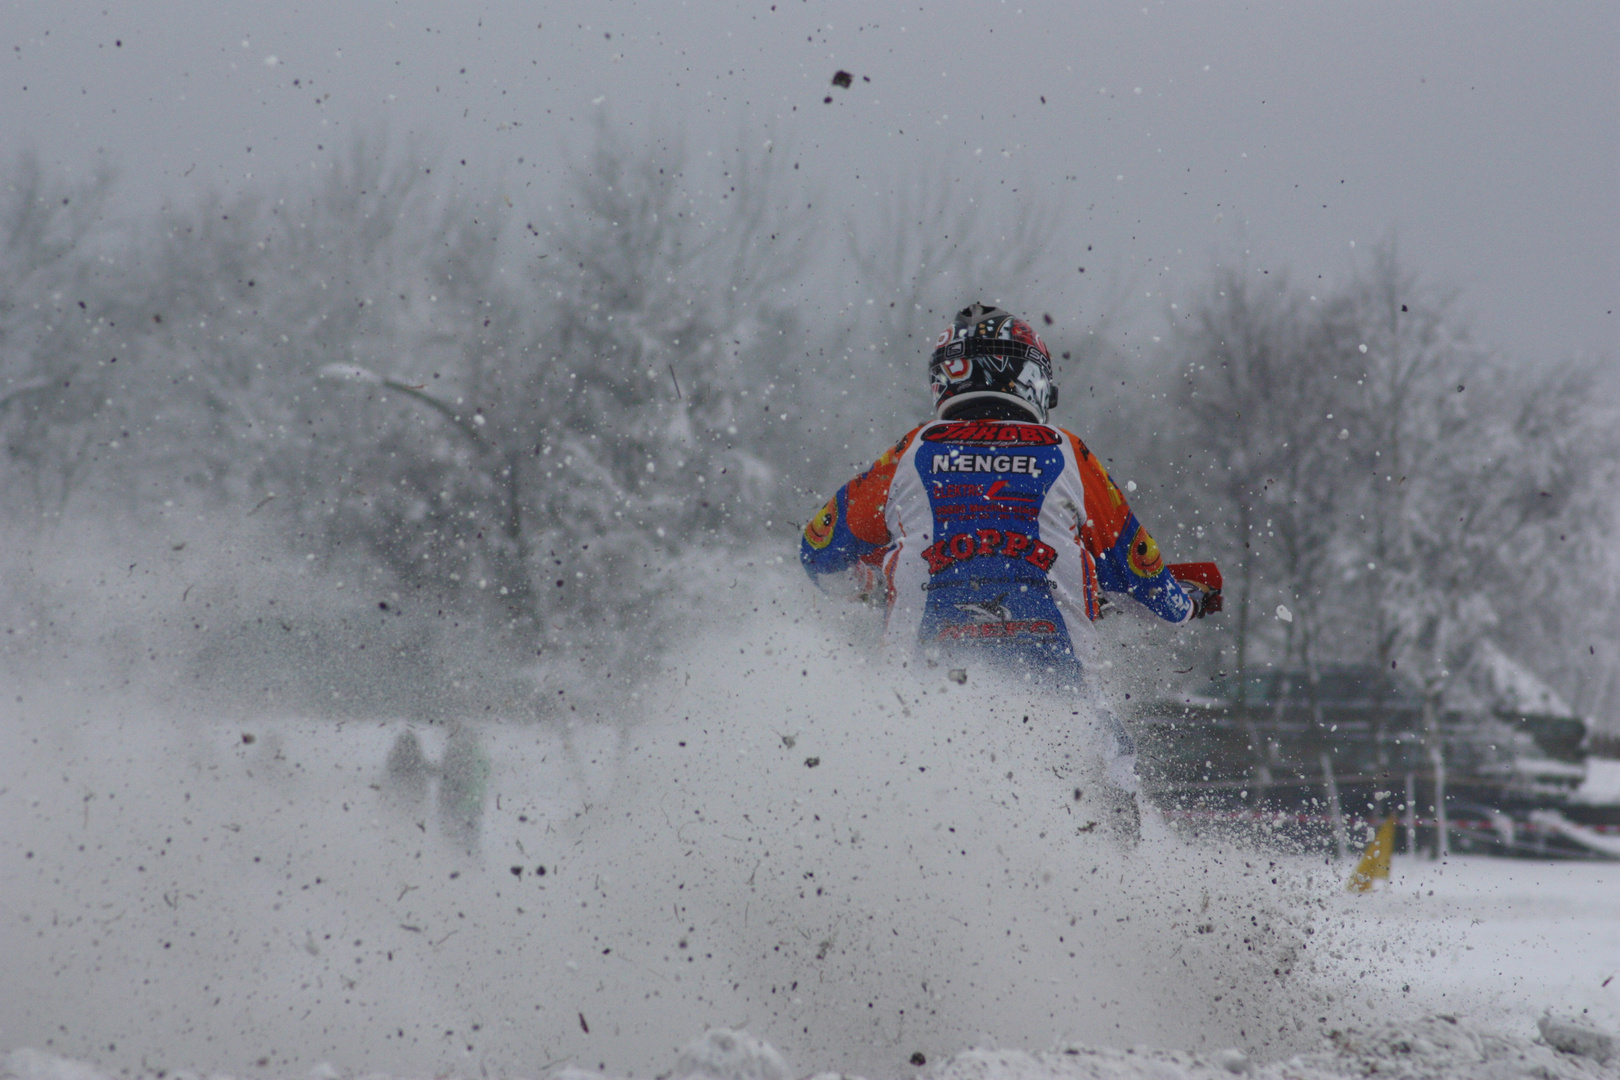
<point>1515,933</point>
<point>863,867</point>
<point>1436,1047</point>
<point>1602,782</point>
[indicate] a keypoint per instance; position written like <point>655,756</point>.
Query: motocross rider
<point>995,538</point>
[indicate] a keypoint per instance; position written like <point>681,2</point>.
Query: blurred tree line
<point>1404,492</point>
<point>567,426</point>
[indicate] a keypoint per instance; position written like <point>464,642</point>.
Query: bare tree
<point>58,340</point>
<point>1560,614</point>
<point>608,411</point>
<point>1265,392</point>
<point>926,249</point>
<point>658,387</point>
<point>935,245</point>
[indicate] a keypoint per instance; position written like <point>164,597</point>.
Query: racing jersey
<point>996,538</point>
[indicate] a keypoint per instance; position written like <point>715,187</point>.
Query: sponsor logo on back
<point>1024,464</point>
<point>995,432</point>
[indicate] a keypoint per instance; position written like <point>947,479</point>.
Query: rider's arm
<point>1128,558</point>
<point>852,525</point>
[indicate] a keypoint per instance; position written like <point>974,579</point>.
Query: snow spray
<point>863,863</point>
<point>867,865</point>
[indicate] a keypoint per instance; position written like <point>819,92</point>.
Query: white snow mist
<point>856,862</point>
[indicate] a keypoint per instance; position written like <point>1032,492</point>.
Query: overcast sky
<point>1484,135</point>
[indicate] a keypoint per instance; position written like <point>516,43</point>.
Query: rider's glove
<point>1203,584</point>
<point>1204,601</point>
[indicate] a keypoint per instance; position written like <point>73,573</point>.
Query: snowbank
<point>1440,1048</point>
<point>1433,1047</point>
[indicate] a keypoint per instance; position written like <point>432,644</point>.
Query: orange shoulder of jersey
<point>1106,510</point>
<point>867,496</point>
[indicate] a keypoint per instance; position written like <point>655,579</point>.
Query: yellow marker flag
<point>1375,860</point>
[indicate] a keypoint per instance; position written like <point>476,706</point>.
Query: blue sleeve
<point>1135,567</point>
<point>828,545</point>
<point>852,525</point>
